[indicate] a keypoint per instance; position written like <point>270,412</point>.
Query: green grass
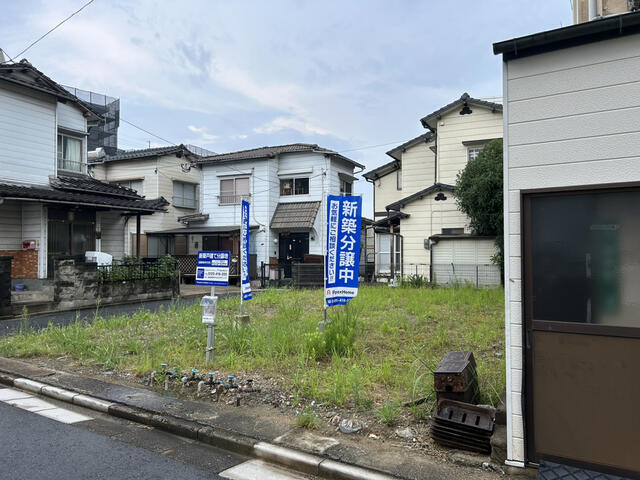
<point>382,348</point>
<point>307,419</point>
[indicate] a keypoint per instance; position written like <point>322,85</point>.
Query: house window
<point>233,190</point>
<point>345,187</point>
<point>70,153</point>
<point>473,152</point>
<point>453,231</point>
<point>294,186</point>
<point>184,195</point>
<point>399,179</point>
<point>135,185</point>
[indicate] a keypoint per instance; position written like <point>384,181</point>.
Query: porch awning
<point>220,230</point>
<point>295,216</point>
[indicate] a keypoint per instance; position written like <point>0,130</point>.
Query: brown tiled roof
<point>295,216</point>
<point>270,152</point>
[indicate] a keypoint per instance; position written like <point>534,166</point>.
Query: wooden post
<point>393,253</point>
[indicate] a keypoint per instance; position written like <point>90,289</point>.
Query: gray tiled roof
<point>84,183</point>
<point>436,187</point>
<point>149,152</point>
<point>465,99</point>
<point>382,170</point>
<point>295,216</point>
<point>270,152</point>
<point>24,74</point>
<point>397,151</point>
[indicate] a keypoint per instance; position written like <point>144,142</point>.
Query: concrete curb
<point>287,457</point>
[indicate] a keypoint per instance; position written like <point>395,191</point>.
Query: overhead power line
<point>147,131</point>
<point>41,37</point>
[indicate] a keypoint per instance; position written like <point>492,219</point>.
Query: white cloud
<point>290,123</point>
<point>203,138</point>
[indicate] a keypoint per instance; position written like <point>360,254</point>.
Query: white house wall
<point>418,168</point>
<point>568,122</point>
<point>70,116</point>
<point>453,129</point>
<point>112,239</point>
<point>10,225</point>
<point>27,135</point>
<point>386,191</point>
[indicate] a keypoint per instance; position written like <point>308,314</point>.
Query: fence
<point>478,275</point>
<point>149,269</point>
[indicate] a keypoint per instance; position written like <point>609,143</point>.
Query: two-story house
<point>285,186</point>
<point>419,229</point>
<point>49,206</point>
<point>161,172</point>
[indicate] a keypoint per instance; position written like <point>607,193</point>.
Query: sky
<point>353,76</point>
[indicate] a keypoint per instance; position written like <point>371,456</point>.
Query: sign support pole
<point>323,323</point>
<point>211,335</point>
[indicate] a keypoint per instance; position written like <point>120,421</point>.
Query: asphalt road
<point>37,322</point>
<point>39,447</point>
<point>38,444</point>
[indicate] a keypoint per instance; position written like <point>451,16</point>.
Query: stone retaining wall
<point>76,285</point>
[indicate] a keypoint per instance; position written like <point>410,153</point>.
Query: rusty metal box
<point>456,378</point>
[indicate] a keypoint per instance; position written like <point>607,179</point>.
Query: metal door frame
<point>530,324</point>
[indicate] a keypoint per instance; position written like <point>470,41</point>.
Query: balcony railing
<point>232,199</point>
<point>71,166</point>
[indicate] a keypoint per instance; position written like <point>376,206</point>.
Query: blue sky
<point>231,75</point>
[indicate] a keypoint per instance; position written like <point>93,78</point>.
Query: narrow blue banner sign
<point>245,283</point>
<point>213,268</point>
<point>344,219</point>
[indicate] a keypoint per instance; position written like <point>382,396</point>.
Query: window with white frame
<point>233,190</point>
<point>136,185</point>
<point>473,152</point>
<point>184,194</point>
<point>70,153</point>
<point>294,186</point>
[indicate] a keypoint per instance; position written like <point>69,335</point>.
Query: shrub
<point>415,281</point>
<point>340,334</point>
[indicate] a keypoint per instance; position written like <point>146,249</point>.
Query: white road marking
<point>11,394</point>
<point>33,404</point>
<point>261,470</point>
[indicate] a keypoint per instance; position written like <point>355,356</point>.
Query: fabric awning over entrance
<point>220,230</point>
<point>295,216</point>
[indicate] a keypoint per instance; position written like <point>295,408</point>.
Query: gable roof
<point>571,36</point>
<point>271,152</point>
<point>436,187</point>
<point>383,170</point>
<point>464,100</point>
<point>24,74</point>
<point>178,150</point>
<point>397,151</point>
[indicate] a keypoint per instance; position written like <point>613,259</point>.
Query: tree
<point>479,195</point>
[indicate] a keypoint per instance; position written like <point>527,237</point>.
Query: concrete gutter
<point>288,457</point>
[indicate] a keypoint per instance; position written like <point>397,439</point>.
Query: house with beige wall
<point>162,172</point>
<point>419,229</point>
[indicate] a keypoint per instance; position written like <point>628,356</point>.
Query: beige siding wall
<point>453,129</point>
<point>426,218</point>
<point>386,191</point>
<point>418,168</point>
<point>556,102</point>
<point>158,175</point>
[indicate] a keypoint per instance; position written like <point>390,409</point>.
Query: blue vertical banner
<point>344,220</point>
<point>245,283</point>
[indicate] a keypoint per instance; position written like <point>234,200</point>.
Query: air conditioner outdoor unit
<point>100,258</point>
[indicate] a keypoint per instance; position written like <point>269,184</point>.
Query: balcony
<point>71,166</point>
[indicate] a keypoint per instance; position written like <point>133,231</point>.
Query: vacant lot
<point>378,352</point>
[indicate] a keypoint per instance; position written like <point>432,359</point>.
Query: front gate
<point>581,281</point>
